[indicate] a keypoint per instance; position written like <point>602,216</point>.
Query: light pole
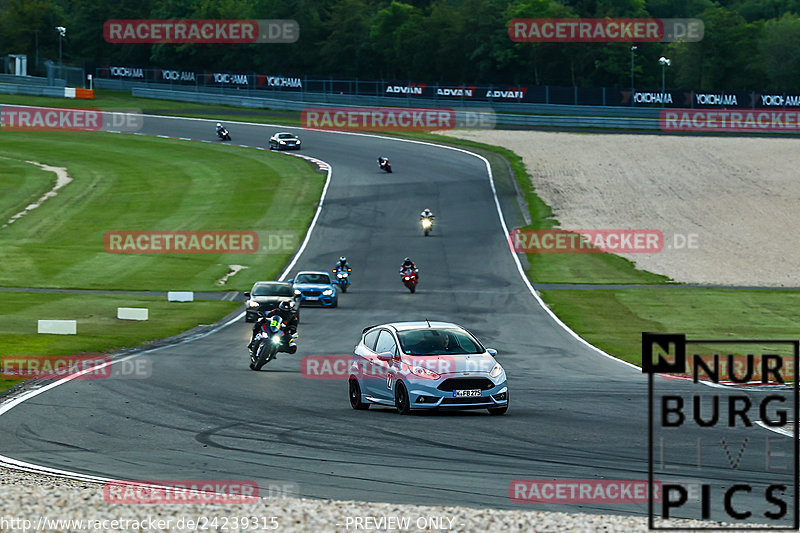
<point>664,64</point>
<point>36,32</point>
<point>62,32</point>
<point>632,85</point>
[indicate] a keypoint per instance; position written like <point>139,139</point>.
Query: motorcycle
<point>409,277</point>
<point>223,134</point>
<point>270,339</point>
<point>385,166</point>
<point>343,278</point>
<point>427,225</point>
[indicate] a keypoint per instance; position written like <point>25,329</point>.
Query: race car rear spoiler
<point>366,329</point>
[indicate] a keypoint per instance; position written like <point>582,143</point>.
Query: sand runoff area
<point>727,206</point>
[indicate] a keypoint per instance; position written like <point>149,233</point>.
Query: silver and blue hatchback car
<point>425,365</point>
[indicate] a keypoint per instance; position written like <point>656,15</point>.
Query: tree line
<point>748,44</point>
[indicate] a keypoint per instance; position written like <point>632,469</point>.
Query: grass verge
<point>613,320</point>
<point>135,183</point>
<point>99,331</point>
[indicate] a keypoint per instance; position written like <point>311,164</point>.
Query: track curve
<point>204,415</point>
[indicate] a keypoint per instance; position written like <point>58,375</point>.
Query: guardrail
<point>31,90</point>
<point>305,98</point>
<point>550,117</point>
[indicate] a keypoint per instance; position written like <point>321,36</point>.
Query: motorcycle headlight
<point>426,223</point>
<point>496,371</point>
<point>276,339</point>
<point>327,292</point>
<point>252,304</point>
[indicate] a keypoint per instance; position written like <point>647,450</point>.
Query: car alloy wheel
<point>355,396</point>
<point>401,401</point>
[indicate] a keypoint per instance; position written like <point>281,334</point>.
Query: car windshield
<point>438,342</point>
<point>273,290</point>
<point>285,136</point>
<point>313,278</point>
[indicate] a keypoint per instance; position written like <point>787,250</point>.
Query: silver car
<point>425,365</point>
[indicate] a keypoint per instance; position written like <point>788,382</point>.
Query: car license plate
<point>466,393</point>
<point>312,297</point>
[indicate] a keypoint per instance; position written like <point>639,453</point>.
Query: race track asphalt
<point>203,414</point>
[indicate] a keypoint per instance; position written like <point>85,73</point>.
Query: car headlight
<point>282,142</point>
<point>496,371</point>
<point>328,292</point>
<point>252,304</point>
<point>297,292</point>
<point>423,372</point>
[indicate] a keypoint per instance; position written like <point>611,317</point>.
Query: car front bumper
<point>425,394</point>
<point>323,300</point>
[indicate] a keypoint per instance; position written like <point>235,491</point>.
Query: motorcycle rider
<point>285,311</point>
<point>220,129</point>
<point>408,264</point>
<point>342,265</point>
<point>382,161</point>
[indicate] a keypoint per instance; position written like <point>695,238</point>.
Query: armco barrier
<point>550,120</point>
<point>31,80</point>
<point>31,90</point>
<point>298,100</point>
<point>40,90</point>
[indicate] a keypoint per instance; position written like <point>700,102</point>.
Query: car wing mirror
<point>492,352</point>
<point>247,295</point>
<point>291,280</point>
<point>386,356</point>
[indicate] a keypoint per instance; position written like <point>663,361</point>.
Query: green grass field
<point>613,320</point>
<point>121,183</point>
<point>21,183</point>
<point>138,183</point>
<point>99,331</point>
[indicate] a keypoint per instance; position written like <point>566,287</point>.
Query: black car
<point>284,141</point>
<point>266,295</point>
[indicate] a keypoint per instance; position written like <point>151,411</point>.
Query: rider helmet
<point>285,306</point>
<point>219,125</point>
<point>343,259</point>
